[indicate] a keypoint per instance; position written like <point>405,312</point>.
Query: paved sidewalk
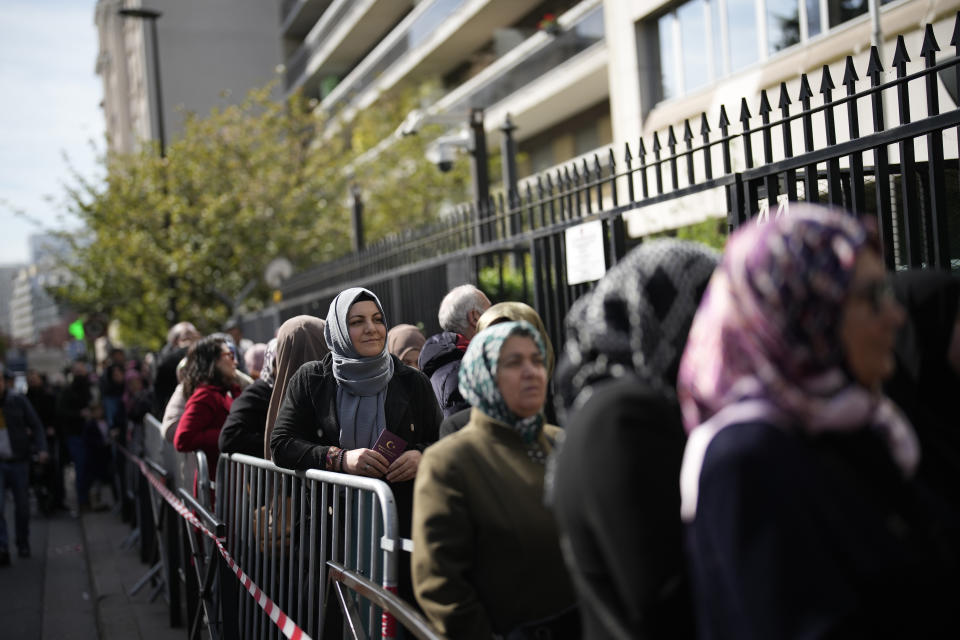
<point>76,584</point>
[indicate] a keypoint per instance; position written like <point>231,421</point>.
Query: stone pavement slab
<point>76,585</point>
<point>113,573</point>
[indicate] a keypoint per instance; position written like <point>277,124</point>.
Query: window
<point>701,41</point>
<point>783,24</point>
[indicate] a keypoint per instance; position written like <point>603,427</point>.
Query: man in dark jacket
<point>21,433</point>
<point>179,339</point>
<point>44,401</point>
<point>73,411</point>
<point>441,354</point>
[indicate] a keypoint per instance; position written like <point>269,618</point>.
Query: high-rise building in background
<point>211,53</point>
<point>32,310</point>
<point>8,274</point>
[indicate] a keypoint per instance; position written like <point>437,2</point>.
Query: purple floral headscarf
<point>764,344</point>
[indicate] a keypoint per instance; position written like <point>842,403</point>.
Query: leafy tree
<point>401,188</point>
<point>238,188</point>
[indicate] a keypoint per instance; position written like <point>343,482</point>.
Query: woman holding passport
<point>359,410</point>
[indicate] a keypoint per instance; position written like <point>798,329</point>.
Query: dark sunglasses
<point>877,293</point>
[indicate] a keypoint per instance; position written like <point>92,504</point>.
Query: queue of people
<point>758,444</point>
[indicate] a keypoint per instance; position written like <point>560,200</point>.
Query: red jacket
<point>202,419</point>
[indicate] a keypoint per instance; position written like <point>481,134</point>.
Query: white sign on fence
<point>585,261</point>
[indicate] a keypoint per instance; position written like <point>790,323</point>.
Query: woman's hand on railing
<point>365,462</point>
<point>404,467</point>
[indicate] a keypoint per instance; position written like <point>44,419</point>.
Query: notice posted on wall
<point>585,261</point>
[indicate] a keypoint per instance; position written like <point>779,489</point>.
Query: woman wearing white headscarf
<point>334,409</point>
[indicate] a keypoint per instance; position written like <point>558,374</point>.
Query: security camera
<point>443,151</point>
<point>442,154</point>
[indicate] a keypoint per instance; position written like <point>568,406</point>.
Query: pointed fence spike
<point>641,150</point>
<point>955,38</point>
<point>826,80</point>
<point>784,96</point>
<point>744,112</point>
<point>875,66</point>
<point>805,92</point>
<point>671,138</point>
<point>656,142</point>
<point>765,107</point>
<point>627,157</point>
<point>687,131</point>
<point>850,76</point>
<point>724,120</point>
<point>704,124</point>
<point>613,162</point>
<point>930,46</point>
<point>900,56</point>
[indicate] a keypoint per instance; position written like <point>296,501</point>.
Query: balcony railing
<point>332,18</point>
<point>417,31</point>
<point>520,72</point>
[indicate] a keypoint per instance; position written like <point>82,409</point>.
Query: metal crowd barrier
<point>303,536</point>
<point>266,552</point>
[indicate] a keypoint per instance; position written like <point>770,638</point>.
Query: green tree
<point>240,187</point>
<point>401,188</point>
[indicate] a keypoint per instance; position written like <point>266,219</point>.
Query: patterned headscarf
<point>765,343</point>
<point>635,321</point>
<point>269,360</point>
<point>478,377</point>
<point>361,381</point>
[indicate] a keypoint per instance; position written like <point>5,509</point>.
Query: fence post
<point>911,200</point>
<point>480,171</point>
<point>356,217</point>
<point>937,215</point>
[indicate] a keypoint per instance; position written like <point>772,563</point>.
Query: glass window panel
<point>716,26</point>
<point>813,18</point>
<point>783,24</point>
<point>843,10</point>
<point>693,38</point>
<point>668,80</point>
<point>742,29</point>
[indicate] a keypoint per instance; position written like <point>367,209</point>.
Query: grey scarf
<point>361,381</point>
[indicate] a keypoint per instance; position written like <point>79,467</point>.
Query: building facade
<point>576,76</point>
<point>32,311</point>
<point>211,54</point>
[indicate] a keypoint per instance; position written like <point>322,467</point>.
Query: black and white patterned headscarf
<point>635,321</point>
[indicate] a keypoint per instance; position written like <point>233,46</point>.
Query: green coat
<point>486,553</point>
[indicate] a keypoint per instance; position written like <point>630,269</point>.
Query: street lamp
<point>151,15</point>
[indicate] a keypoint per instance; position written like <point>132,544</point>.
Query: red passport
<point>389,445</point>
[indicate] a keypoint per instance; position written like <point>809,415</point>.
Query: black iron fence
<point>862,147</point>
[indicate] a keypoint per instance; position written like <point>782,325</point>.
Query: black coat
<point>245,425</point>
<point>924,384</point>
<point>23,426</point>
<point>798,536</point>
<point>165,381</point>
<point>307,424</point>
<point>440,361</point>
<point>617,503</point>
<point>74,398</point>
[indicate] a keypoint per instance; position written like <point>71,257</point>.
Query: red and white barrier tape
<point>279,618</point>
